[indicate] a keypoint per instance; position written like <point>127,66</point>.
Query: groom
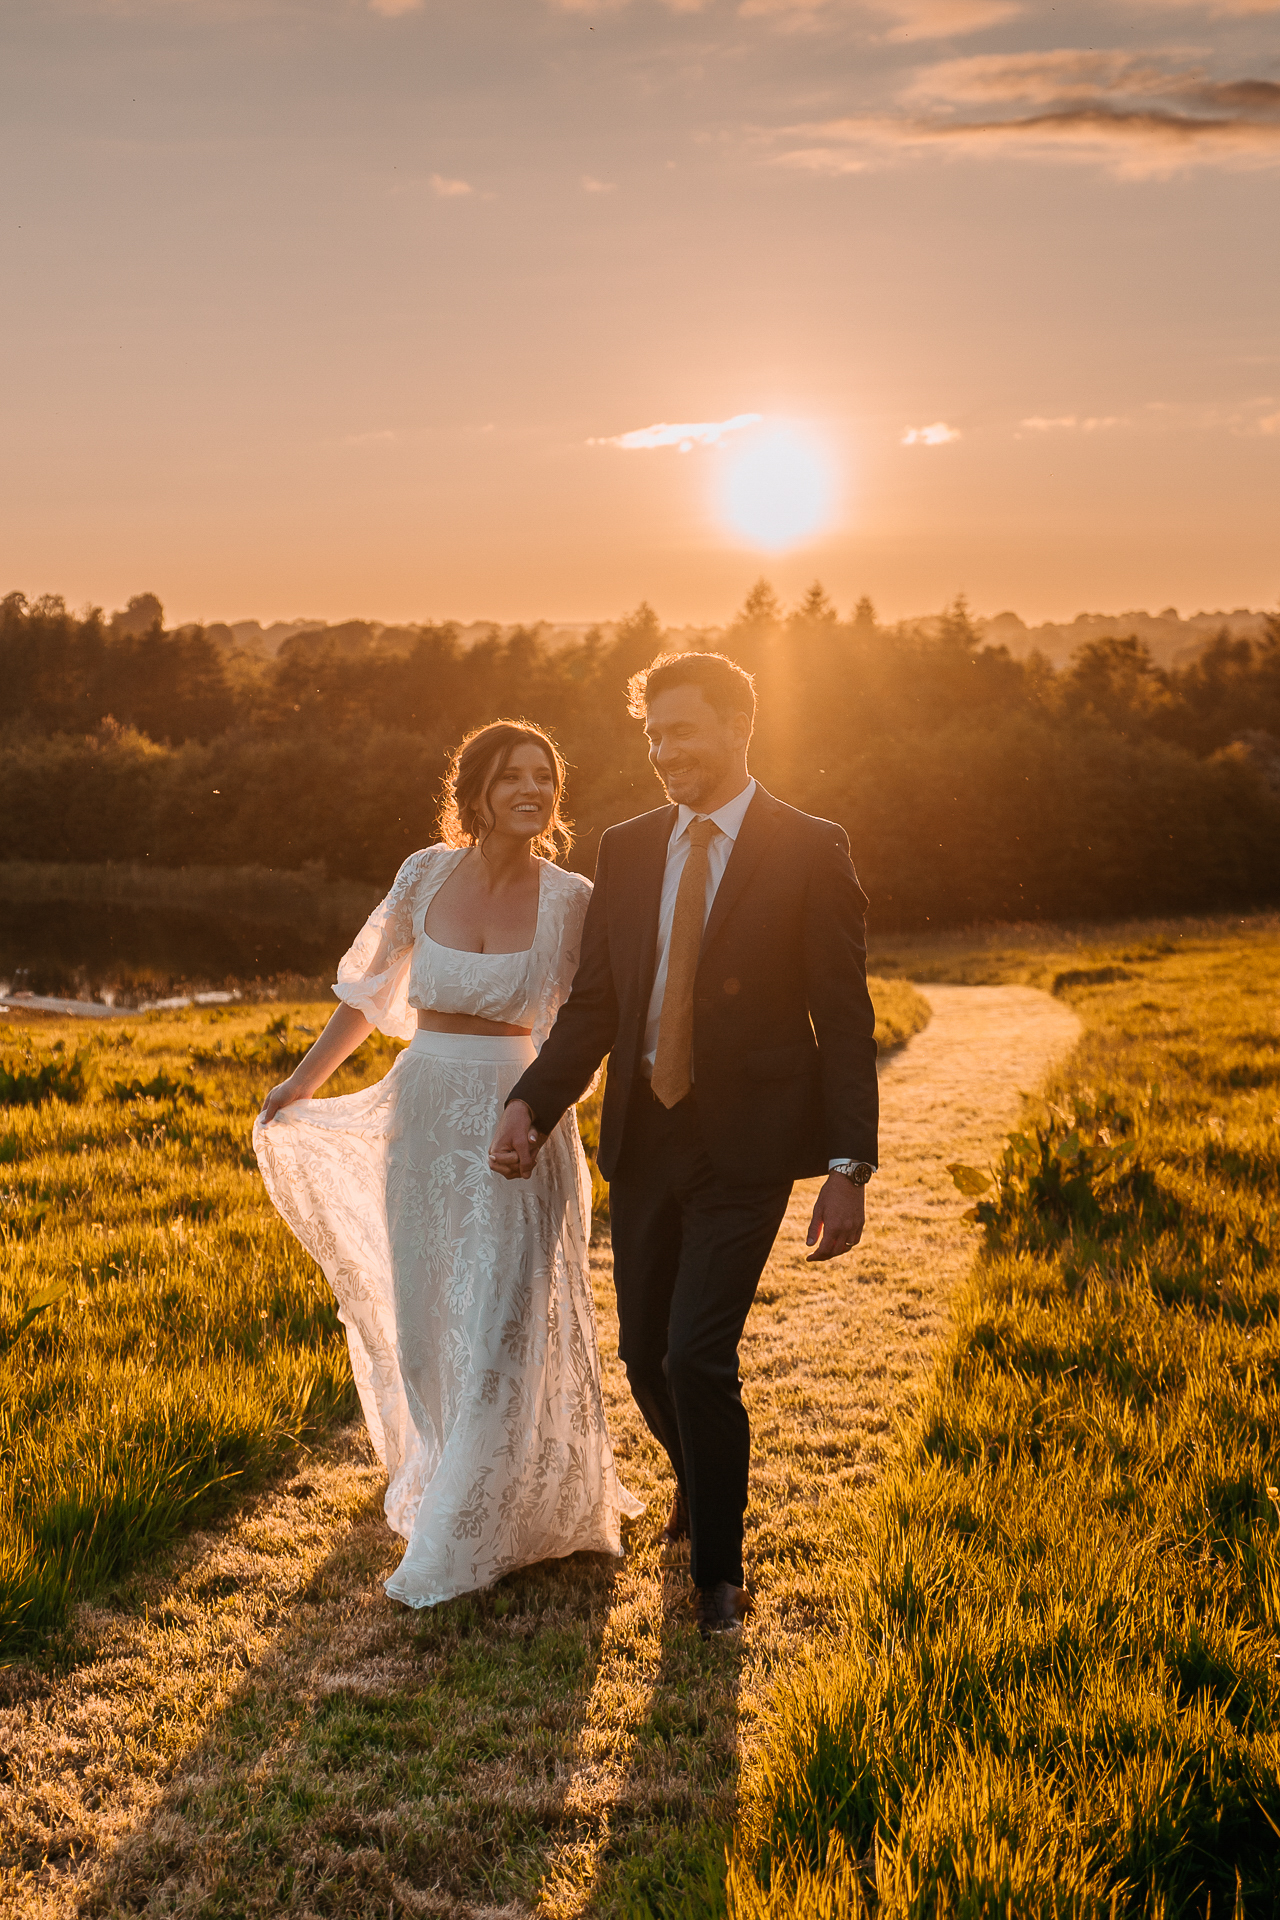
<point>723,971</point>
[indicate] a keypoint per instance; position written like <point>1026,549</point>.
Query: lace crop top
<point>394,966</point>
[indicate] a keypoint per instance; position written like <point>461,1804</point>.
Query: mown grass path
<point>262,1731</point>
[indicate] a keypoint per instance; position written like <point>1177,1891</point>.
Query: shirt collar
<point>728,818</point>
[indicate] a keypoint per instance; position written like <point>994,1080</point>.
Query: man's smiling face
<point>696,753</point>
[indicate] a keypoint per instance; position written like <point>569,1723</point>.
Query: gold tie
<point>673,1064</point>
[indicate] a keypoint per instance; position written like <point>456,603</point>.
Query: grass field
<point>1057,1690</point>
<point>186,1344</point>
<point>1021,1660</point>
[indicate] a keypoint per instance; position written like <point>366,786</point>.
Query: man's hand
<point>514,1147</point>
<point>839,1214</point>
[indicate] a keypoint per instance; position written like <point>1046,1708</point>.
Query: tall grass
<point>186,1344</point>
<point>1057,1687</point>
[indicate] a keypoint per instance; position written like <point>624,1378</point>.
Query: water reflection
<point>131,956</point>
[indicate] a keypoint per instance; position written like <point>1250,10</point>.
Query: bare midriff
<point>469,1023</point>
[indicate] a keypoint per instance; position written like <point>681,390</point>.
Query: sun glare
<point>777,489</point>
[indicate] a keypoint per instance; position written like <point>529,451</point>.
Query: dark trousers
<point>688,1252</point>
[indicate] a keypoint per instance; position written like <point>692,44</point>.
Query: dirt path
<point>134,1782</point>
<point>829,1361</point>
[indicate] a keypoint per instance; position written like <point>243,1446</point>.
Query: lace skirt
<point>467,1305</point>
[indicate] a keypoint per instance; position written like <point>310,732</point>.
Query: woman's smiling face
<point>521,797</point>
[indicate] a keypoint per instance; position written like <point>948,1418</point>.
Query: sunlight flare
<point>778,489</point>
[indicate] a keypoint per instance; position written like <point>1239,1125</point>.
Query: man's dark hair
<point>722,683</point>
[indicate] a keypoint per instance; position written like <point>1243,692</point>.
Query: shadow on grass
<point>675,1802</point>
<point>373,1761</point>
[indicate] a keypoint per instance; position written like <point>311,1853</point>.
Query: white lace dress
<point>465,1297</point>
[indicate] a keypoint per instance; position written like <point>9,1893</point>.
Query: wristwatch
<point>859,1171</point>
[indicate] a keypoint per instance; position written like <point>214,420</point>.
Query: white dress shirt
<point>729,819</point>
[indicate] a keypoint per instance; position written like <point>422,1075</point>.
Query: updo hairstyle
<point>466,819</point>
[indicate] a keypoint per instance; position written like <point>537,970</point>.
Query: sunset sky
<point>507,308</point>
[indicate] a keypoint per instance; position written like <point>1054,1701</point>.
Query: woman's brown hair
<point>465,817</point>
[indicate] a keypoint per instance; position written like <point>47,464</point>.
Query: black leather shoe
<point>677,1527</point>
<point>722,1609</point>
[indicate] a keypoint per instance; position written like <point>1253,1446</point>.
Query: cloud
<point>1236,8</point>
<point>591,185</point>
<point>1067,74</point>
<point>1070,423</point>
<point>938,435</point>
<point>391,9</point>
<point>1270,423</point>
<point>912,19</point>
<point>446,189</point>
<point>688,434</point>
<point>940,19</point>
<point>1141,115</point>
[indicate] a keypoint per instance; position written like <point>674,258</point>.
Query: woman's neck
<point>503,862</point>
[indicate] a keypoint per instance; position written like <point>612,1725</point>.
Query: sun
<point>777,490</point>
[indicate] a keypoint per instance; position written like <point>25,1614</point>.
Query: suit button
<point>732,986</point>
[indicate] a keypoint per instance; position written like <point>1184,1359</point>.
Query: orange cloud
<point>685,435</point>
<point>1137,114</point>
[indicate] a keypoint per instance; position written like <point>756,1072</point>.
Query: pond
<point>128,956</point>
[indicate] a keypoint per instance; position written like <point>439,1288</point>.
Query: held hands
<point>839,1214</point>
<point>514,1148</point>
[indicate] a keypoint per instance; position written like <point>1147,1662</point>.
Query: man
<point>723,971</point>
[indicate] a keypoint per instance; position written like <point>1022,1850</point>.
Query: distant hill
<point>1174,641</point>
<point>356,637</point>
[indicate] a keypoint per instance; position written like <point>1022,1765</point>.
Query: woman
<point>465,1297</point>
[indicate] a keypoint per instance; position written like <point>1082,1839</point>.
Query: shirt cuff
<point>841,1158</point>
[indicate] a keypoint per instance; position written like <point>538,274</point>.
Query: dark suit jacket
<point>784,1055</point>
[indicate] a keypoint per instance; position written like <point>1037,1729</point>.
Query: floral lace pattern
<point>465,1297</point>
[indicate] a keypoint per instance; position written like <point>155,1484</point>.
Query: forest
<point>974,785</point>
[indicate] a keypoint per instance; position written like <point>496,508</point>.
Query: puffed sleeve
<point>373,975</point>
<point>563,948</point>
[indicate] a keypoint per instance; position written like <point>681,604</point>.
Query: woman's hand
<point>346,1030</point>
<point>282,1096</point>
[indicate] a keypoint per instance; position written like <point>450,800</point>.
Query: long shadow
<point>676,1796</point>
<point>374,1760</point>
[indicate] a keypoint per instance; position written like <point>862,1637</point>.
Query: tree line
<point>974,785</point>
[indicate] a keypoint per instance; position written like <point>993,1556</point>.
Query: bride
<point>465,1297</point>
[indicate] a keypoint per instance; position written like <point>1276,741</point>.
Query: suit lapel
<point>643,883</point>
<point>754,836</point>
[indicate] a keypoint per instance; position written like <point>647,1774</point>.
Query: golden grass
<point>1055,1689</point>
<point>900,1012</point>
<point>189,1344</point>
<point>257,1729</point>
